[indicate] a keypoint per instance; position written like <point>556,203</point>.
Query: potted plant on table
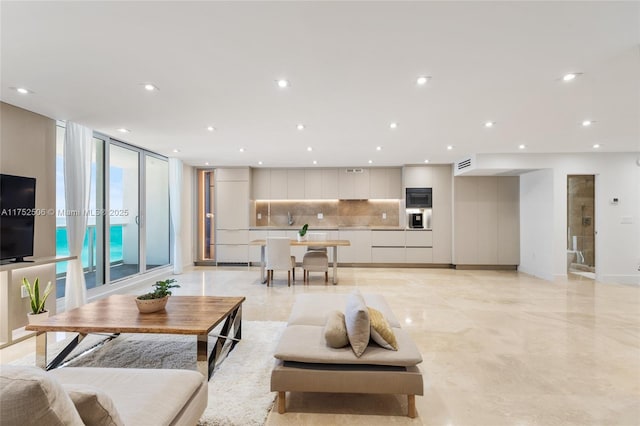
<point>157,299</point>
<point>302,233</point>
<point>38,311</point>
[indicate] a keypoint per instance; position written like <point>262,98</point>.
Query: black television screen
<point>17,216</point>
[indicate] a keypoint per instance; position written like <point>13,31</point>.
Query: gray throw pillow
<point>356,318</point>
<point>335,330</point>
<point>95,407</point>
<point>29,396</point>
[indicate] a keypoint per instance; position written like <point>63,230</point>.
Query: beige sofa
<point>100,396</point>
<point>306,364</point>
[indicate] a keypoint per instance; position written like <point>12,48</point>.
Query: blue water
<point>62,248</point>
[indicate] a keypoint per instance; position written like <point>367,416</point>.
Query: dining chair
<point>278,257</point>
<point>316,259</point>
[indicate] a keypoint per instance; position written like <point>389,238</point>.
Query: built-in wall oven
<point>419,198</point>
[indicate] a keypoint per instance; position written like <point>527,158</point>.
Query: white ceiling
<point>352,68</point>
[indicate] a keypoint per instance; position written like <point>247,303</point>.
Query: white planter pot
<point>37,318</point>
<point>302,238</point>
<point>151,305</point>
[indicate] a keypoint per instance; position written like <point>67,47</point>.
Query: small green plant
<point>37,302</point>
<point>302,232</point>
<point>162,289</point>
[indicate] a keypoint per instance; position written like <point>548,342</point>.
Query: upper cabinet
<point>260,184</point>
<point>296,184</point>
<point>326,184</point>
<point>232,198</point>
<point>418,176</point>
<point>353,184</point>
<point>385,183</point>
<point>329,184</point>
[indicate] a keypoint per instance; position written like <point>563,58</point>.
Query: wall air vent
<point>464,165</point>
<point>359,170</point>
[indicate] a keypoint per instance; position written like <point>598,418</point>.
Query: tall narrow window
<point>157,211</point>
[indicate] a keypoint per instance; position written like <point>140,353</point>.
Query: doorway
<point>206,218</point>
<point>581,247</point>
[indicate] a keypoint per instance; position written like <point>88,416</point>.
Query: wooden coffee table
<point>193,315</point>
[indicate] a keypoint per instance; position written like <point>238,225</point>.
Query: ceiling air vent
<point>360,170</point>
<point>465,165</point>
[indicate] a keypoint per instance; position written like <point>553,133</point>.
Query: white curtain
<point>175,204</point>
<point>78,144</point>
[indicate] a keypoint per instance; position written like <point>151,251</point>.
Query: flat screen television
<point>17,216</point>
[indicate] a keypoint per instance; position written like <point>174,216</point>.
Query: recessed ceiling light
<point>282,83</point>
<point>123,130</point>
<point>260,163</point>
<point>449,147</point>
<point>206,164</point>
<point>241,149</point>
<point>587,123</point>
<point>300,126</point>
<point>370,161</point>
<point>176,150</point>
<point>22,90</point>
<point>393,125</point>
<point>570,76</point>
<point>522,146</point>
<point>378,148</point>
<point>150,87</point>
<point>309,149</point>
<point>426,161</point>
<point>211,128</point>
<point>596,145</point>
<point>315,162</point>
<point>489,124</point>
<point>422,80</point>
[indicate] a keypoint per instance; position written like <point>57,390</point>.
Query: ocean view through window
<point>114,245</point>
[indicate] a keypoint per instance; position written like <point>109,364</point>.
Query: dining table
<point>333,244</point>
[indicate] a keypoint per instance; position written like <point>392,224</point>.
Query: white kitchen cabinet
<point>330,184</point>
<point>232,215</point>
<point>486,217</point>
<point>254,251</point>
<point>232,253</point>
<point>232,236</point>
<point>385,183</point>
<point>442,213</point>
<point>418,177</point>
<point>232,174</point>
<point>419,255</point>
<point>360,249</point>
<point>261,184</point>
<point>353,185</point>
<point>295,184</point>
<point>232,205</point>
<point>278,184</point>
<point>388,255</point>
<point>313,184</point>
<point>418,238</point>
<point>387,238</point>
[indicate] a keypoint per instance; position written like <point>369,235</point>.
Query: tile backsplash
<point>335,213</point>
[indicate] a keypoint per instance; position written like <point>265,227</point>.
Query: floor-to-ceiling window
<point>128,230</point>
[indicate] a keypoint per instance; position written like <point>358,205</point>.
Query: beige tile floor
<point>499,348</point>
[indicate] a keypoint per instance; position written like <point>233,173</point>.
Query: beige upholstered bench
<point>306,364</point>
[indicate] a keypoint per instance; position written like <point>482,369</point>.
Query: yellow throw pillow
<point>381,331</point>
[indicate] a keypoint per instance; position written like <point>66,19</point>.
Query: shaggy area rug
<point>239,389</point>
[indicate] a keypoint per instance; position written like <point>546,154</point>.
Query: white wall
<point>536,223</point>
<point>617,175</point>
